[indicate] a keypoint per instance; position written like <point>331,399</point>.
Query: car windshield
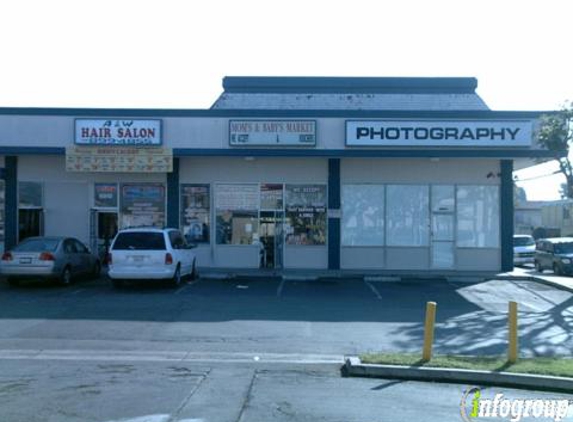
<point>37,245</point>
<point>139,241</point>
<point>564,247</point>
<point>523,241</point>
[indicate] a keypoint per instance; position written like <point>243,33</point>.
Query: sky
<point>175,53</point>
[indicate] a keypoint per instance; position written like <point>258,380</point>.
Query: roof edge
<point>315,84</point>
<point>271,113</point>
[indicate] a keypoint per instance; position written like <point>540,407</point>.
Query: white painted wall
<point>178,132</point>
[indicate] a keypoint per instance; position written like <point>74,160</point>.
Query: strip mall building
<point>395,176</point>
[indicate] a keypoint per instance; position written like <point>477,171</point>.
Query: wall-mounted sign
<point>119,159</point>
<point>448,133</point>
<point>118,132</point>
<point>291,133</point>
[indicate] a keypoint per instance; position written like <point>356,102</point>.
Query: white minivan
<point>151,254</point>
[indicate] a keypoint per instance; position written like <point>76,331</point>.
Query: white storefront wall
<point>68,197</point>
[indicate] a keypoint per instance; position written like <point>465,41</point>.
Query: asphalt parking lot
<point>251,349</point>
<point>336,316</point>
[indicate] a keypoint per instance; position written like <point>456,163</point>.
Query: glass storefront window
<point>2,208</point>
<point>142,205</point>
<point>305,222</point>
<point>195,209</point>
<point>478,216</point>
<point>408,215</point>
<point>363,215</point>
<point>271,197</point>
<point>30,195</point>
<point>237,213</point>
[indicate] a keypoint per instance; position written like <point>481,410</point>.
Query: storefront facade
<point>266,179</point>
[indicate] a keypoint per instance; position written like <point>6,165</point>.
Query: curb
<point>536,279</point>
<point>355,368</point>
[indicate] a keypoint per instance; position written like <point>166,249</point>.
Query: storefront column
<point>506,219</point>
<point>333,214</point>
<point>173,195</point>
<point>11,202</point>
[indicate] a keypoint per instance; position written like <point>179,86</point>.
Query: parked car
<point>523,249</point>
<point>151,254</point>
<point>49,257</point>
<point>554,254</point>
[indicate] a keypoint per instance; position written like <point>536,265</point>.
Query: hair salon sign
<point>122,132</point>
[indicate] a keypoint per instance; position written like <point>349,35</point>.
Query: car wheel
<point>538,267</point>
<point>194,273</point>
<point>176,280</point>
<point>66,277</point>
<point>96,271</point>
<point>12,281</point>
<point>557,269</point>
<point>117,284</point>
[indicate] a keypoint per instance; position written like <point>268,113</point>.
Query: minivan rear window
<point>139,241</point>
<point>523,241</point>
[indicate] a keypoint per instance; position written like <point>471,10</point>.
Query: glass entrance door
<point>271,225</point>
<point>30,223</point>
<point>443,227</point>
<point>271,237</point>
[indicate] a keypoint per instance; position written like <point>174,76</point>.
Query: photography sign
<point>291,133</point>
<point>122,132</point>
<point>439,133</point>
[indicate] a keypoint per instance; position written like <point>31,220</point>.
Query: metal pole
<point>429,331</point>
<point>512,351</point>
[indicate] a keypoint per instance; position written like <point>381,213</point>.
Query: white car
<point>151,254</point>
<point>523,249</point>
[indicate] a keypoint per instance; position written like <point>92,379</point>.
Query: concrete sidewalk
<point>547,277</point>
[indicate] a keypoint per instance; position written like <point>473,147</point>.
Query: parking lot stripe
<point>376,293</point>
<point>280,288</point>
<point>180,289</point>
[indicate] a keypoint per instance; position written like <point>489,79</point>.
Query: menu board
<point>119,159</point>
<point>142,205</point>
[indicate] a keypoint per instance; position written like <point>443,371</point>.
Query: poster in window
<point>142,205</point>
<point>195,208</point>
<point>105,195</point>
<point>305,214</point>
<point>237,213</point>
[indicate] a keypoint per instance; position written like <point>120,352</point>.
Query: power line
<point>538,177</point>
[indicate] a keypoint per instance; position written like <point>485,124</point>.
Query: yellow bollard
<point>512,351</point>
<point>429,331</point>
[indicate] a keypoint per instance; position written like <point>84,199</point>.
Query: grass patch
<point>556,366</point>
